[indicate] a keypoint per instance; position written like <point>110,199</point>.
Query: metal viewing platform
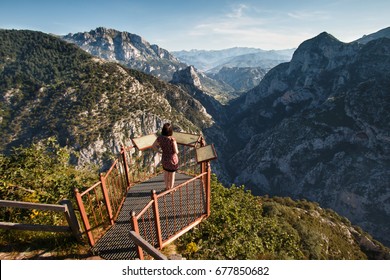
<point>131,197</point>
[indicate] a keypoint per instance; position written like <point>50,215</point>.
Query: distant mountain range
<point>230,72</point>
<point>213,61</point>
<point>240,68</point>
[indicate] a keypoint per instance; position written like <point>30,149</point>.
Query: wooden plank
<point>32,227</point>
<point>138,240</point>
<point>72,219</point>
<point>30,205</point>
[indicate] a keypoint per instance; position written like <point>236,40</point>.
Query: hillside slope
<point>318,128</point>
<point>52,88</point>
<point>243,226</point>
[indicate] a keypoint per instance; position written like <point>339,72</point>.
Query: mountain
<point>240,68</point>
<point>383,33</point>
<point>52,88</point>
<point>317,128</point>
<point>128,49</point>
<point>241,79</point>
<point>134,52</point>
<point>214,60</point>
<point>203,89</point>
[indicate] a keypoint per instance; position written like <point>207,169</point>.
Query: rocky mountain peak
<point>317,127</point>
<point>188,76</point>
<point>128,49</point>
<point>323,52</point>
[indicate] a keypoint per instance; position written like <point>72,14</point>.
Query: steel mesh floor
<point>116,244</point>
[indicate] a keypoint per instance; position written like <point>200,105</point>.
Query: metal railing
<point>172,213</point>
<point>99,205</point>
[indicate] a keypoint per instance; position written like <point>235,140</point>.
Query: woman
<point>170,159</point>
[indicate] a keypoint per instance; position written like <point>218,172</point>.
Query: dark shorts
<point>169,170</point>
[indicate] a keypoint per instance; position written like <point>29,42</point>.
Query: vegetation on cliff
<point>241,225</point>
<point>244,226</point>
<point>52,88</point>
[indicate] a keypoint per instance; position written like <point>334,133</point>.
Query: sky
<point>204,24</point>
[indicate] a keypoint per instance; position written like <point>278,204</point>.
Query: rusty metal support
<point>84,217</point>
<point>126,167</point>
<point>208,189</point>
<point>106,199</point>
<point>134,222</point>
<point>203,169</point>
<point>157,219</point>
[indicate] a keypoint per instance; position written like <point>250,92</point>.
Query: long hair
<point>167,130</point>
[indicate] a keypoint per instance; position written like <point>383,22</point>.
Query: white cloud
<point>309,15</point>
<point>238,11</point>
<point>247,26</point>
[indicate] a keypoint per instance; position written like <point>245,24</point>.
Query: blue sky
<point>204,24</point>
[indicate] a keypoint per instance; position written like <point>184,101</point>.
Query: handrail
<point>111,168</point>
<point>182,184</point>
<point>31,205</point>
<point>90,188</point>
<point>146,208</point>
<point>99,205</point>
<point>167,234</point>
<point>138,216</point>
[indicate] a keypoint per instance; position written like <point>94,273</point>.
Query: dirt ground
<point>9,253</point>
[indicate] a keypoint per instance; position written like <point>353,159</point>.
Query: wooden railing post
<point>106,199</point>
<point>71,218</point>
<point>134,222</point>
<point>139,241</point>
<point>157,219</point>
<point>84,217</point>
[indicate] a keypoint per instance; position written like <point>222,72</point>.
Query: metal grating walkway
<point>116,244</point>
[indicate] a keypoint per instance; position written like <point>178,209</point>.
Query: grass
<point>27,245</point>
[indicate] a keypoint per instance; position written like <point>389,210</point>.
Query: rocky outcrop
<point>128,49</point>
<point>241,79</point>
<point>218,90</point>
<point>318,128</point>
<point>203,89</point>
<point>383,33</point>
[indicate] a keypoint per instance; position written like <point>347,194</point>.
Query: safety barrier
<point>172,213</point>
<point>65,207</point>
<point>99,205</point>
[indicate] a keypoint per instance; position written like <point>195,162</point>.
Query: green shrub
<point>40,173</point>
<point>243,226</point>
